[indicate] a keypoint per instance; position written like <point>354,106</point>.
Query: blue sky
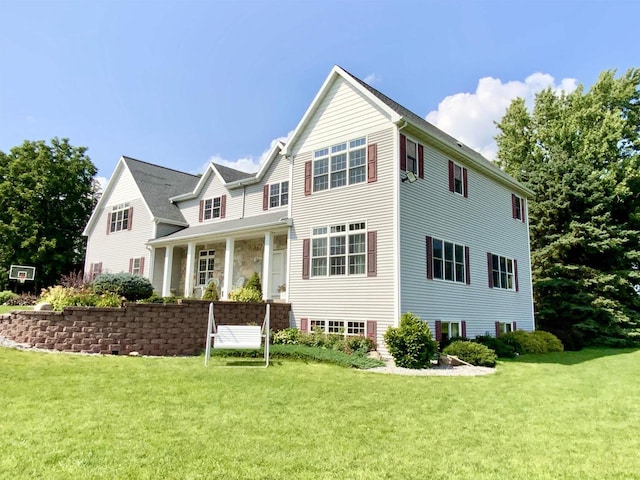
<point>180,83</point>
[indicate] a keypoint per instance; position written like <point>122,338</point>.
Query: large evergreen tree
<point>47,193</point>
<point>580,154</point>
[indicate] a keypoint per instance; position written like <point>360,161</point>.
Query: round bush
<point>245,295</point>
<point>502,349</point>
<point>288,336</point>
<point>132,287</point>
<point>472,352</point>
<point>549,340</point>
<point>411,344</point>
<point>7,295</point>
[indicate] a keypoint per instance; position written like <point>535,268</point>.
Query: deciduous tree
<point>47,193</point>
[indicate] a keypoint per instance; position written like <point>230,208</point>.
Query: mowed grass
<point>10,308</point>
<point>571,415</point>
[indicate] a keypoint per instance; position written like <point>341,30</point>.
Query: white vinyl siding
<point>352,297</point>
<point>344,114</point>
<point>483,223</point>
<point>277,172</point>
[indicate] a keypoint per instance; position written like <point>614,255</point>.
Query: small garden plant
<point>251,292</point>
<point>411,344</point>
<point>472,352</point>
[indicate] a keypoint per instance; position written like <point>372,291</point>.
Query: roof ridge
<point>158,166</point>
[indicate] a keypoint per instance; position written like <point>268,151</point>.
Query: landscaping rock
<point>43,306</point>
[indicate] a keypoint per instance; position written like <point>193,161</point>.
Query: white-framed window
<point>278,194</point>
<point>135,267</point>
<point>348,328</point>
<point>502,272</point>
<point>339,249</point>
<point>517,207</point>
<point>211,208</point>
<point>505,327</point>
<point>448,261</point>
<point>206,265</point>
<point>340,165</point>
<point>412,157</point>
<point>450,330</point>
<point>119,218</point>
<point>458,180</point>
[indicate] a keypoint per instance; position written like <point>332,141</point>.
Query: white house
<point>367,211</point>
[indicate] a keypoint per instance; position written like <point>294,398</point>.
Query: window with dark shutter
<point>467,267</point>
<point>308,167</point>
<point>265,197</point>
<point>306,247</point>
<point>304,324</point>
<point>372,163</point>
<point>438,330</point>
<point>141,265</point>
<point>490,268</point>
<point>429,255</point>
<point>223,206</point>
<point>403,153</point>
<point>464,329</point>
<point>420,161</point>
<point>200,215</point>
<point>372,330</point>
<point>372,249</point>
<point>451,177</point>
<point>130,220</point>
<point>515,273</point>
<point>465,182</point>
<point>497,329</point>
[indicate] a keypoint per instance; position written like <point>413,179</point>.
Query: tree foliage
<point>580,154</point>
<point>47,193</point>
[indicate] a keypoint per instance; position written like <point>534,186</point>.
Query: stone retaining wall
<point>149,329</point>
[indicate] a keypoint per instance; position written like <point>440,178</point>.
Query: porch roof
<point>225,227</point>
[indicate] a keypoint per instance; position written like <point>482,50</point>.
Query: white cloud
<point>102,181</point>
<point>470,117</point>
<point>372,79</point>
<point>248,164</point>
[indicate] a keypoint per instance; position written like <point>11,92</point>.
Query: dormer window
<point>211,208</point>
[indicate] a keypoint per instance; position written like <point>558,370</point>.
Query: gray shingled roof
<point>157,184</point>
<point>231,174</point>
<point>213,228</point>
<point>429,128</point>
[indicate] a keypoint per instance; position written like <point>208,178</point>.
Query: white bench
<point>237,337</point>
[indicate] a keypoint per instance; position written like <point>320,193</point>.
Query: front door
<point>278,277</point>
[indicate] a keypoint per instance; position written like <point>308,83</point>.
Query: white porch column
<point>189,269</point>
<point>168,266</point>
<point>228,268</point>
<point>266,266</point>
<point>152,261</point>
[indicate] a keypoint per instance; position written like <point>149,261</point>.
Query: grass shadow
<point>572,358</point>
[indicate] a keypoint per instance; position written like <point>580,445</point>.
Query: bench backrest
<point>238,336</point>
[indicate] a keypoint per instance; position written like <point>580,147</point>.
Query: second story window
<point>120,218</point>
<point>340,165</point>
<point>339,250</point>
<point>517,207</point>
<point>211,208</point>
<point>412,157</point>
<point>278,194</point>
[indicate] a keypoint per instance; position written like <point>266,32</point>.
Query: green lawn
<point>571,415</point>
<point>9,308</point>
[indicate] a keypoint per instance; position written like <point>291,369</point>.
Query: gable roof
<point>231,174</point>
<point>402,116</point>
<point>157,184</point>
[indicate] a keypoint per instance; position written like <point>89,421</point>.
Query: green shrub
<point>254,282</point>
<point>358,344</point>
<point>550,341</point>
<point>521,342</point>
<point>411,344</point>
<point>132,287</point>
<point>7,295</point>
<point>60,297</point>
<point>448,341</point>
<point>211,292</point>
<point>288,336</point>
<point>155,298</point>
<point>108,300</point>
<point>245,294</point>
<point>472,352</point>
<point>502,349</point>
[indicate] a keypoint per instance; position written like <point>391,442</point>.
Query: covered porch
<point>225,253</point>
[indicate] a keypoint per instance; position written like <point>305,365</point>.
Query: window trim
<point>431,274</point>
<point>209,254</point>
<point>281,197</point>
<point>329,326</point>
<point>509,275</point>
<point>340,230</point>
<point>212,208</point>
<point>328,154</point>
<point>122,224</point>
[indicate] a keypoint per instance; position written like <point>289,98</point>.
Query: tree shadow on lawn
<point>572,358</point>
